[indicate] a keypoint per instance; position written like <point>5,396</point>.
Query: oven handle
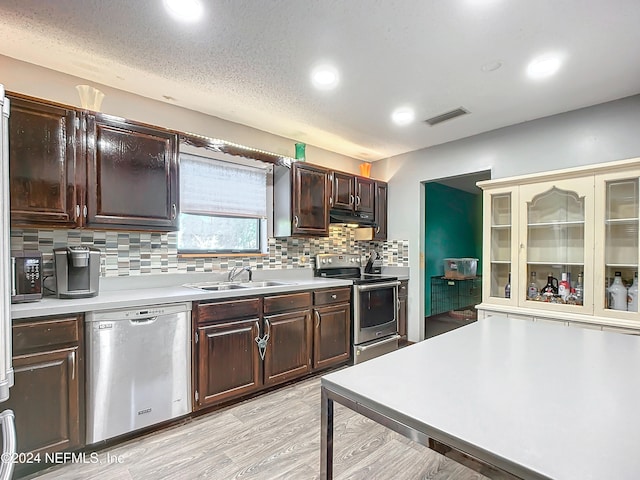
<point>364,348</point>
<point>376,286</point>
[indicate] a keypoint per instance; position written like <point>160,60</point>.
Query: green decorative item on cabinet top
<point>300,152</point>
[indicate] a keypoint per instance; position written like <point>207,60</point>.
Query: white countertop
<point>548,401</point>
<point>136,296</point>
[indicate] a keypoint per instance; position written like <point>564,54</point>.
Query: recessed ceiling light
<point>184,10</point>
<point>543,66</point>
<point>325,77</point>
<point>403,116</point>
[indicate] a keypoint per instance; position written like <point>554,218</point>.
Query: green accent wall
<point>453,229</point>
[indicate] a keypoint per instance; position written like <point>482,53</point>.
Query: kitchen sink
<point>221,286</point>
<point>268,283</point>
<point>218,286</point>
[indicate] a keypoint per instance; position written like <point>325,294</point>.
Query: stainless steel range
<point>374,307</point>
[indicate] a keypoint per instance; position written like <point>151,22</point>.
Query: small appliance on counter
<point>26,276</point>
<point>77,271</point>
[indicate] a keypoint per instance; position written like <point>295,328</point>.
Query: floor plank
<point>274,436</point>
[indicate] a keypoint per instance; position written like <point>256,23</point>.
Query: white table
<point>533,399</point>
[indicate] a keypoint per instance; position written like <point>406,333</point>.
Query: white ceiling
<point>249,61</point>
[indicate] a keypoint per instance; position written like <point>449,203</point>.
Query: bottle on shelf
<point>564,287</point>
<point>632,295</point>
<point>617,293</point>
<point>550,289</point>
<point>532,290</point>
<point>579,290</point>
<point>507,288</point>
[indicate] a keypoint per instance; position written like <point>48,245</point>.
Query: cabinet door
<point>556,238</point>
<point>617,211</point>
<point>43,141</point>
<point>381,211</point>
<point>310,200</point>
<point>132,175</point>
<point>46,400</point>
<point>500,245</point>
<point>288,353</point>
<point>332,335</point>
<point>343,195</point>
<point>365,195</point>
<point>228,361</point>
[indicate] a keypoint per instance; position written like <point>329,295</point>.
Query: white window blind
<point>215,187</point>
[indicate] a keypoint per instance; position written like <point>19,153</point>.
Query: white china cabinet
<point>579,223</point>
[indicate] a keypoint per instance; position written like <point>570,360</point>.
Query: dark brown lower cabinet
<point>48,392</point>
<point>288,353</point>
<point>331,344</point>
<point>332,327</point>
<point>228,361</point>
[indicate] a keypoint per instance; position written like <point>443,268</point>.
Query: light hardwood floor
<point>274,436</point>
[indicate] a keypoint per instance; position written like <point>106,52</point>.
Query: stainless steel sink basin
<point>268,283</point>
<point>217,286</point>
<point>222,286</point>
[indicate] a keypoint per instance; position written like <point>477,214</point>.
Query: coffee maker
<point>77,271</point>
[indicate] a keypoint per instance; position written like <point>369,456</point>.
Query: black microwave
<point>26,276</point>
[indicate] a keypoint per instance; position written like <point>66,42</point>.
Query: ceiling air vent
<point>443,117</point>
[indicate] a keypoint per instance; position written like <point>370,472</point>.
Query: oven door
<point>375,311</point>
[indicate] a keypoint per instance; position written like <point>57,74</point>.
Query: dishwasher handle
<point>143,321</point>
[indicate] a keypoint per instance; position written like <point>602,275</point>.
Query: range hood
<point>352,218</point>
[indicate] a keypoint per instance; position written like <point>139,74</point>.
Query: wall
<point>453,220</point>
<point>141,253</point>
<point>601,133</point>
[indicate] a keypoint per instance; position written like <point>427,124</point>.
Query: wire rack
<point>448,294</point>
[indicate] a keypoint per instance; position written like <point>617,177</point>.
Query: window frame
<point>265,225</point>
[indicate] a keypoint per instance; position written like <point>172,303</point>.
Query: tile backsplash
<point>141,253</point>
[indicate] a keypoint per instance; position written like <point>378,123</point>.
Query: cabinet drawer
<point>325,297</point>
<point>240,308</point>
<point>38,334</point>
<point>292,301</point>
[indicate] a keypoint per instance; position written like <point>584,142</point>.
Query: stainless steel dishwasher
<point>138,368</point>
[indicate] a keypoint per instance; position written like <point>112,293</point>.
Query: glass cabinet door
<point>619,257</point>
<point>500,226</point>
<point>557,245</point>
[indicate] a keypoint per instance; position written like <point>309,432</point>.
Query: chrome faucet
<point>236,271</point>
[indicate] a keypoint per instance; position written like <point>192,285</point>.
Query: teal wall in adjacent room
<point>453,229</point>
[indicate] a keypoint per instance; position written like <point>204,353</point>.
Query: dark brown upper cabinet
<point>45,147</point>
<point>310,214</point>
<point>380,216</point>
<point>352,193</point>
<point>71,168</point>
<point>131,175</point>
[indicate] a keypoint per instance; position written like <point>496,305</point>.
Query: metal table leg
<point>326,436</point>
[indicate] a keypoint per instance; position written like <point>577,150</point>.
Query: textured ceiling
<point>249,61</point>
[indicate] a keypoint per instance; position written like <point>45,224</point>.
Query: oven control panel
<point>337,260</point>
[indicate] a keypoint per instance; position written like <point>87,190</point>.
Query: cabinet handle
<point>317,314</point>
<point>295,220</point>
<point>73,365</point>
<point>84,211</point>
<point>377,230</point>
<point>174,211</point>
<point>77,210</point>
<point>334,296</point>
<point>357,200</point>
<point>351,199</point>
<point>330,200</point>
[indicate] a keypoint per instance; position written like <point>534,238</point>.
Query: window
<point>223,206</point>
